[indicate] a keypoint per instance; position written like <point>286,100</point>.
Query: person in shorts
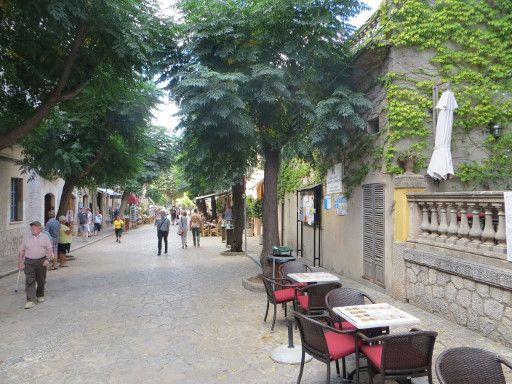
<point>118,228</point>
<point>98,219</point>
<point>82,222</point>
<point>64,241</point>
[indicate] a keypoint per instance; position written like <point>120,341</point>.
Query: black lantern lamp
<point>495,130</point>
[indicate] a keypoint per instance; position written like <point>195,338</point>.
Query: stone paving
<point>121,314</point>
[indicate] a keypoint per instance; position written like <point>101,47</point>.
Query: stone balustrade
<point>463,221</point>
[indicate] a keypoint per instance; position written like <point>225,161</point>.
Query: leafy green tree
<point>50,51</point>
<point>285,64</point>
<point>98,138</point>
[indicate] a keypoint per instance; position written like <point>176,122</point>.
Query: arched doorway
<point>49,204</point>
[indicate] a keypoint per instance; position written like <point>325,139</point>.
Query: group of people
<point>42,249</point>
<point>90,225</point>
<point>186,222</point>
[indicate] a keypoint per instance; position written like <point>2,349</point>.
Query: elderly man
<point>162,227</point>
<point>36,253</point>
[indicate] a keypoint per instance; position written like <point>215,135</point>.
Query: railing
<point>463,221</point>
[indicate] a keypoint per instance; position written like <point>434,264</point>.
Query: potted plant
<point>408,159</point>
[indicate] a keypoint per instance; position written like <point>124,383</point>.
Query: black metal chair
<point>467,365</point>
<point>313,300</point>
<point>324,343</point>
<point>279,291</point>
<point>399,356</point>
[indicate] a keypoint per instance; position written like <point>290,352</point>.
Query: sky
<point>164,114</point>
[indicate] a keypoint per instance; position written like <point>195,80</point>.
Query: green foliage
<point>495,170</point>
<point>97,138</point>
<point>473,52</point>
<point>295,173</point>
<point>254,207</point>
<point>184,202</point>
<point>37,61</point>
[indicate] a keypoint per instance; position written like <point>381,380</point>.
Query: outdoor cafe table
<point>375,316</point>
<point>314,277</point>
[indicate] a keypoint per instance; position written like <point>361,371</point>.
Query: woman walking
<point>196,226</point>
<point>98,220</point>
<point>183,228</point>
<point>118,228</point>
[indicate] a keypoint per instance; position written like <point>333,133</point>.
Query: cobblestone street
<point>121,314</point>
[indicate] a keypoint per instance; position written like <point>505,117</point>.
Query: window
<point>16,199</point>
<point>373,125</point>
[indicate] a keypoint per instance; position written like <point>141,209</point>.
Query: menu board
<point>375,315</point>
<point>307,209</point>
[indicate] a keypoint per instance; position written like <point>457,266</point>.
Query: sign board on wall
<point>335,179</point>
<point>508,222</point>
<point>341,205</point>
<point>327,202</point>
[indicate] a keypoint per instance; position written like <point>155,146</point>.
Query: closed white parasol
<point>441,164</point>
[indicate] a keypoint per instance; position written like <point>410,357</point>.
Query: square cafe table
<point>375,316</point>
<point>314,277</point>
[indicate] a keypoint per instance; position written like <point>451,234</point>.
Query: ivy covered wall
<point>468,44</point>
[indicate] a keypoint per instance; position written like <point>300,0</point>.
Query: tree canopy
<point>49,51</point>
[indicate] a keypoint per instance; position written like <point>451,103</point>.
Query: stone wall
<point>474,295</point>
<point>10,242</point>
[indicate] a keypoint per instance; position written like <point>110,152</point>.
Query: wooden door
<point>373,232</point>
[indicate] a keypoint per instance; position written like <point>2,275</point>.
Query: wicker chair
<point>279,291</point>
<point>324,343</point>
<point>466,365</point>
<point>295,267</point>
<point>399,356</point>
<point>344,297</point>
<point>311,298</point>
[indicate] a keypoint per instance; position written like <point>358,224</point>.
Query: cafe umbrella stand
<point>289,353</point>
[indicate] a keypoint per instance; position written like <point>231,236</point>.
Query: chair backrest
<point>317,293</point>
<point>312,336</point>
<point>408,352</point>
<point>466,365</point>
<point>294,267</point>
<point>269,288</point>
<point>344,297</point>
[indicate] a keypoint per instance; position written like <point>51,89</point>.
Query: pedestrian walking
<point>162,227</point>
<point>52,228</point>
<point>64,241</point>
<point>173,216</point>
<point>196,225</point>
<point>89,222</point>
<point>82,222</point>
<point>183,228</point>
<point>35,255</point>
<point>98,220</point>
<point>118,228</point>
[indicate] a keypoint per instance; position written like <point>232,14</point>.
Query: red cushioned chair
<point>311,299</point>
<point>399,356</point>
<point>324,343</point>
<point>344,297</point>
<point>279,291</point>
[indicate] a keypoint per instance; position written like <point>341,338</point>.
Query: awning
<point>113,194</point>
<point>309,188</point>
<point>212,195</point>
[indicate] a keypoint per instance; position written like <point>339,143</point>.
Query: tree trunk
<point>214,208</point>
<point>67,191</point>
<point>124,203</point>
<point>272,158</point>
<point>237,190</point>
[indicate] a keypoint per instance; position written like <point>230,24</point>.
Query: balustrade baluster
<point>475,233</point>
<point>434,223</point>
<point>452,228</point>
<point>425,225</point>
<point>501,234</point>
<point>488,233</point>
<point>463,231</point>
<point>443,224</point>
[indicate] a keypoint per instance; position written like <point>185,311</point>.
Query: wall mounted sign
<point>335,179</point>
<point>341,205</point>
<point>327,202</point>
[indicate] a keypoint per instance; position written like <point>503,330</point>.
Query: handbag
<point>180,231</point>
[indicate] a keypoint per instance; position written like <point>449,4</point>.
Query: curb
<point>253,287</point>
<point>229,253</point>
